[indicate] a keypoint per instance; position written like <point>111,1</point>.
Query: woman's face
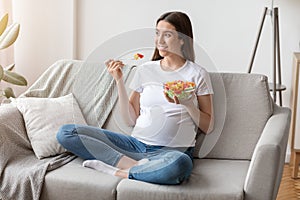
<point>166,39</point>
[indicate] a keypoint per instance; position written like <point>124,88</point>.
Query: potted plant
<point>8,35</point>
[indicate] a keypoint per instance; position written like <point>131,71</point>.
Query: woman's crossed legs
<point>125,156</point>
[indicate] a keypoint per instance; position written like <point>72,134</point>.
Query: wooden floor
<point>289,188</point>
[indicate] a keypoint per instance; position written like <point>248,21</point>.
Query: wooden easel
<point>276,53</point>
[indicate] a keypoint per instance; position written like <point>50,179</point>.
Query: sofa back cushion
<point>242,106</point>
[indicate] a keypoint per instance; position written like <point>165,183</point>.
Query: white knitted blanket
<point>92,86</point>
<point>21,173</point>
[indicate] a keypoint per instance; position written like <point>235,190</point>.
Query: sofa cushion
<point>242,106</point>
<point>43,117</point>
<point>210,179</point>
<point>72,181</point>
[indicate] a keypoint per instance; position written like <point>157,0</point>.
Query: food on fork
<point>138,56</point>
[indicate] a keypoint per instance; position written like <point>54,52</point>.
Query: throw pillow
<point>43,117</point>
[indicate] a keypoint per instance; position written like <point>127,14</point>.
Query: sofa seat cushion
<point>72,181</point>
<point>210,179</point>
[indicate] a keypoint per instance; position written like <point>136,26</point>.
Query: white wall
<point>46,35</point>
<point>225,29</point>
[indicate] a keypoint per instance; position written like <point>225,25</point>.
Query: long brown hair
<point>183,26</point>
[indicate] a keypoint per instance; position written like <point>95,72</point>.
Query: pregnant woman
<point>161,145</point>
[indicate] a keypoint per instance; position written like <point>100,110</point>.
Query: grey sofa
<point>242,158</point>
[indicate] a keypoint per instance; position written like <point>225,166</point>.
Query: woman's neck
<point>172,63</point>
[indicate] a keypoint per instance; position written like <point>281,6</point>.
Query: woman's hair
<point>183,26</point>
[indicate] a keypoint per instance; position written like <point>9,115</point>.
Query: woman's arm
<point>135,102</point>
<point>204,116</point>
<point>129,107</point>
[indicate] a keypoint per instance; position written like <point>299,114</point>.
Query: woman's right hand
<point>114,67</point>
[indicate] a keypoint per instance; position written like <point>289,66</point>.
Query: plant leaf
<point>1,72</point>
<point>10,67</point>
<point>9,36</point>
<point>3,23</point>
<point>14,78</point>
<point>8,92</point>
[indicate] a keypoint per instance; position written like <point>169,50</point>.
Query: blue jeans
<point>166,165</point>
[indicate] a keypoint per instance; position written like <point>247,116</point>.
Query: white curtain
<point>6,55</point>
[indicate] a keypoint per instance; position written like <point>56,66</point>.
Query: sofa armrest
<point>266,166</point>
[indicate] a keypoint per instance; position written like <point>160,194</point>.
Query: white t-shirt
<point>160,122</point>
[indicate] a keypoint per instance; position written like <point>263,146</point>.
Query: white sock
<point>100,166</point>
<point>142,161</point>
